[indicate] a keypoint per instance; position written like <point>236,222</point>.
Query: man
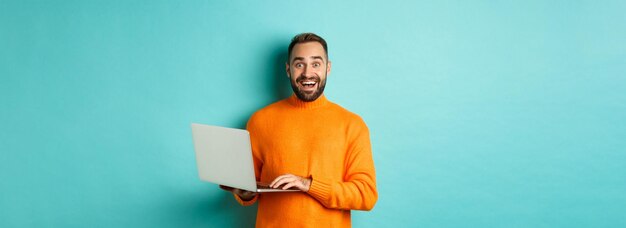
<point>310,143</point>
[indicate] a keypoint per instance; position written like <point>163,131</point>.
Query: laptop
<point>224,157</point>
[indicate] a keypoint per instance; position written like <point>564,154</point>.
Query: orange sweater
<point>320,140</point>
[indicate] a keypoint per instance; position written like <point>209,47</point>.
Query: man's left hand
<point>290,180</point>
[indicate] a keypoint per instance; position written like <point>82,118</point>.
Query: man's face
<point>307,70</point>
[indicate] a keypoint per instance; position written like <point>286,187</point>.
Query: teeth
<point>308,83</point>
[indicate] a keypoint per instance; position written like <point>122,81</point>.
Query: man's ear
<point>287,70</point>
<point>329,65</point>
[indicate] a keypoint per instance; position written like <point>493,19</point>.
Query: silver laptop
<point>224,156</point>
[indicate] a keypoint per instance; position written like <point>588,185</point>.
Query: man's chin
<point>308,97</point>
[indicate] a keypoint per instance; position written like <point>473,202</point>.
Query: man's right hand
<point>243,194</point>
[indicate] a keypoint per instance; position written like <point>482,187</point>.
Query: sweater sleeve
<point>245,203</point>
<point>357,191</point>
<point>257,170</point>
<point>256,158</point>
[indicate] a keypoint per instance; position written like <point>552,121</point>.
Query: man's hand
<point>290,180</point>
<point>243,194</point>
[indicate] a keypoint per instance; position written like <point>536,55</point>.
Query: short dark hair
<point>305,38</point>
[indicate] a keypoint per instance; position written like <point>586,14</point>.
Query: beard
<point>308,97</point>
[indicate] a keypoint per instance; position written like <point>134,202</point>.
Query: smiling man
<point>310,143</point>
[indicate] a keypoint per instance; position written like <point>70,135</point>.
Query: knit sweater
<point>319,140</point>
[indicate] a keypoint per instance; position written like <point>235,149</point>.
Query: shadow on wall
<point>280,83</point>
<point>207,207</point>
<point>206,210</point>
<point>274,80</point>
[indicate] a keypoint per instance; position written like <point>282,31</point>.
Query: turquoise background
<point>482,113</point>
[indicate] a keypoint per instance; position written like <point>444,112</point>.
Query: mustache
<point>305,78</point>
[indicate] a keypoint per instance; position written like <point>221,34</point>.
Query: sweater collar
<point>319,102</point>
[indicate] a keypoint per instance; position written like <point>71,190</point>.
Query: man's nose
<point>307,71</point>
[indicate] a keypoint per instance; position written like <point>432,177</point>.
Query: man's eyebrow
<point>302,58</point>
<point>297,58</point>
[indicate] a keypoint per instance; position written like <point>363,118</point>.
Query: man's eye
<point>298,65</point>
<point>316,64</point>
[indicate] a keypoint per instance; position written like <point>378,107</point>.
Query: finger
<point>226,188</point>
<point>278,183</point>
<point>249,194</point>
<point>240,191</point>
<point>291,184</point>
<point>244,194</point>
<point>278,179</point>
<point>273,184</point>
<point>284,181</point>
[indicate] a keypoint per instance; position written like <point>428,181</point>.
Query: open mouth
<point>308,84</point>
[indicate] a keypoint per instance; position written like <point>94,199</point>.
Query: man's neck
<point>297,102</point>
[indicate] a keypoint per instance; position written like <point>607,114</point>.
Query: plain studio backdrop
<point>482,113</point>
